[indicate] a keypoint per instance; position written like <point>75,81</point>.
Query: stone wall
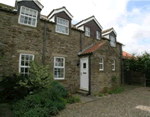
<point>25,39</point>
<point>102,79</point>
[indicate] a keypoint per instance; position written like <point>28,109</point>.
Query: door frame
<point>89,71</point>
<point>84,86</point>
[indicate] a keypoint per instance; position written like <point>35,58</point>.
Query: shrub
<point>39,78</point>
<point>37,112</point>
<point>11,89</point>
<point>100,94</point>
<point>51,100</point>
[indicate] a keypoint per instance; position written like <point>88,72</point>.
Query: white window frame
<point>59,67</point>
<point>112,43</point>
<point>87,31</point>
<point>98,35</point>
<point>114,65</point>
<point>62,25</point>
<point>102,64</point>
<point>28,17</point>
<point>20,66</point>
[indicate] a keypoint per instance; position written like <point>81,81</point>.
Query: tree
<point>140,63</point>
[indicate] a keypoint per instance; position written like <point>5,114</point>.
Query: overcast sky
<point>130,18</point>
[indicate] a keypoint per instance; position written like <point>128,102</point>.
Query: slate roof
<point>6,7</point>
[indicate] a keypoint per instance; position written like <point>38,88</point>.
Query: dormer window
<point>98,35</point>
<point>87,31</point>
<point>62,26</point>
<point>28,16</point>
<point>112,41</point>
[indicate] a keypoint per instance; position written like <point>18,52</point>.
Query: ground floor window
<point>24,63</point>
<point>101,64</point>
<point>113,65</point>
<point>59,67</point>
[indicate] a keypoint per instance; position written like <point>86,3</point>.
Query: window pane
<point>22,69</point>
<point>26,20</point>
<point>29,21</point>
<point>27,57</point>
<point>26,70</point>
<point>101,60</point>
<point>84,65</point>
<point>22,19</point>
<point>23,10</point>
<point>31,57</point>
<point>101,66</point>
<point>26,63</point>
<point>33,22</point>
<point>22,63</point>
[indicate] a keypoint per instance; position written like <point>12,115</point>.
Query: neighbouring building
<point>81,56</point>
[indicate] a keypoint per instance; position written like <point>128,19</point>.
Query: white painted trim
<point>59,67</point>
<point>81,28</point>
<point>110,32</point>
<point>61,10</point>
<point>92,18</point>
<point>102,64</point>
<point>28,16</point>
<point>114,65</point>
<point>52,19</point>
<point>20,59</point>
<point>39,5</point>
<point>61,25</point>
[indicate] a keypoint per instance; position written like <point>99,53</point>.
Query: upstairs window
<point>87,31</point>
<point>101,64</point>
<point>112,41</point>
<point>62,26</point>
<point>59,67</point>
<point>98,35</point>
<point>113,65</point>
<point>24,63</point>
<point>28,16</point>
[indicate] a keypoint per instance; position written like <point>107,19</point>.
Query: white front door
<point>84,73</point>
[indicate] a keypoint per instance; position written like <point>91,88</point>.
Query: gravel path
<point>134,103</point>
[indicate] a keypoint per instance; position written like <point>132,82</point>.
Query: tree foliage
<point>140,63</point>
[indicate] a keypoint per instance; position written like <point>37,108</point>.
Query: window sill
<point>27,25</point>
<point>59,78</point>
<point>101,69</point>
<point>87,36</point>
<point>62,33</point>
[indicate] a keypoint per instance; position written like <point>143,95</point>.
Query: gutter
<point>121,65</point>
<point>44,43</point>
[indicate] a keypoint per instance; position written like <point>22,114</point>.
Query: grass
<point>73,99</point>
<point>113,91</point>
<point>116,90</point>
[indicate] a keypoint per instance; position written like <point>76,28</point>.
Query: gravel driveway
<point>134,103</point>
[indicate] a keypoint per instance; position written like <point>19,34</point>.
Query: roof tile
<point>93,48</point>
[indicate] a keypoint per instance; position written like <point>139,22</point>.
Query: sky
<point>130,18</point>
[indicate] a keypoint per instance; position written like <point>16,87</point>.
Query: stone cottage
<point>81,56</point>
